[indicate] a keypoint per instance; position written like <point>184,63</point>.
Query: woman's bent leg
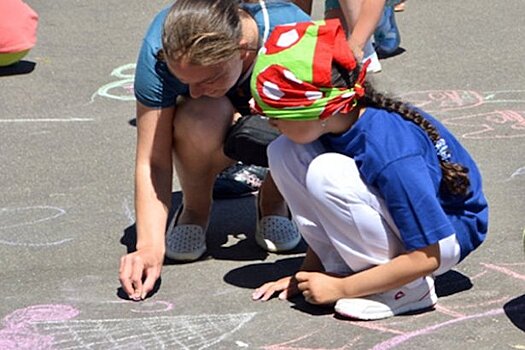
<point>199,129</point>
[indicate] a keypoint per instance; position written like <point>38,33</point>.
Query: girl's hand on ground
<point>319,288</point>
<point>139,271</point>
<point>287,286</point>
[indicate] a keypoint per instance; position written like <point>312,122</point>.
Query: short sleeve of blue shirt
<point>154,85</point>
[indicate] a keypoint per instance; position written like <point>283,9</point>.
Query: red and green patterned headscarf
<point>292,77</point>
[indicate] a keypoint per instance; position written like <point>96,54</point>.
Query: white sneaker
<point>415,296</point>
<point>371,54</point>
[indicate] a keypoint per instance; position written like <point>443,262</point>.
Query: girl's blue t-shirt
<point>397,157</point>
<point>156,87</point>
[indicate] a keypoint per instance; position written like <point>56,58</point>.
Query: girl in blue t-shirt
<point>384,195</point>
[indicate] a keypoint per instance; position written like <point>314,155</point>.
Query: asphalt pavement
<point>67,142</point>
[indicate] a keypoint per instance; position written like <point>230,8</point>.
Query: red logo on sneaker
<point>399,295</point>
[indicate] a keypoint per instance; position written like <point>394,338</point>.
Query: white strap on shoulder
<point>266,18</point>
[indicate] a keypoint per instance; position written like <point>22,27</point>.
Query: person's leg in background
<point>359,18</point>
<point>386,36</point>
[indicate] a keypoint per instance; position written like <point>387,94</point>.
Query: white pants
<point>343,220</point>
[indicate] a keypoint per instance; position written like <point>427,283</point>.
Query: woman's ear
<point>244,49</point>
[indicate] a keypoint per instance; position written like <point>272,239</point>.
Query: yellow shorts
<point>7,59</point>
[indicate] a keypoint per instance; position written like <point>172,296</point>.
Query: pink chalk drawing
<point>443,100</point>
<point>451,100</point>
<point>402,338</point>
<point>504,96</point>
<point>51,327</point>
<point>497,124</point>
<point>404,329</point>
<point>18,332</point>
<point>456,313</point>
<point>494,125</point>
<point>504,270</point>
<point>153,307</point>
<point>146,307</point>
<point>288,344</point>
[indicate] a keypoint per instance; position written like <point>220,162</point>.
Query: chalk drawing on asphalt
<point>450,100</point>
<point>12,219</point>
<point>52,327</point>
<point>401,330</point>
<point>19,333</point>
<point>45,120</point>
<point>504,96</point>
<point>121,89</point>
<point>443,100</point>
<point>152,307</point>
<point>457,313</point>
<point>502,124</point>
<point>128,212</point>
<point>519,172</point>
<point>294,344</point>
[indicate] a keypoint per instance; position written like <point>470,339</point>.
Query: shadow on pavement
<point>122,295</point>
<point>255,275</point>
<point>452,282</point>
<point>129,237</point>
<point>22,67</point>
<point>230,234</point>
<point>315,310</point>
<point>383,55</point>
<point>515,311</point>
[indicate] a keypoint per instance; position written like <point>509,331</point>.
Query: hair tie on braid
<point>442,150</point>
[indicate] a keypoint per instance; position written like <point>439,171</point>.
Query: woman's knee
<point>203,121</point>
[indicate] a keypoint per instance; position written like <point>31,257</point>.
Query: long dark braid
<point>455,175</point>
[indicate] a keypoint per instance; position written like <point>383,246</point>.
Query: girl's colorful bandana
<point>292,77</point>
